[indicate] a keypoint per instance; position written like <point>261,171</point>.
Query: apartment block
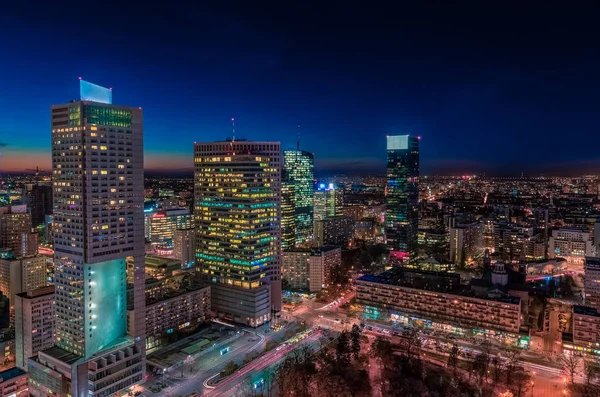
<point>13,383</point>
<point>431,296</point>
<point>586,326</point>
<point>34,323</point>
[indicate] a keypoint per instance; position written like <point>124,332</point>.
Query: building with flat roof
<point>160,226</point>
<point>98,178</point>
<point>184,246</point>
<point>334,230</point>
<point>310,269</point>
<point>13,383</point>
<point>402,218</point>
<point>299,168</point>
<point>15,231</point>
<point>572,244</point>
<point>173,312</point>
<point>34,323</point>
<point>591,281</point>
<point>439,297</point>
<point>586,326</point>
<point>238,217</point>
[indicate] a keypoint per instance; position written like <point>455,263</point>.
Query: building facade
<point>299,168</point>
<point>21,275</point>
<point>288,214</point>
<point>238,217</point>
<point>591,282</point>
<point>161,225</point>
<point>97,165</point>
<point>329,201</point>
<point>39,199</point>
<point>465,242</point>
<point>184,247</point>
<point>15,231</point>
<point>586,326</point>
<point>572,244</point>
<point>310,269</point>
<point>13,383</point>
<point>334,230</point>
<point>34,323</point>
<point>401,218</point>
<point>434,302</point>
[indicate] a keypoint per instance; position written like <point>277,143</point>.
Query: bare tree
<point>520,381</point>
<point>591,370</point>
<point>570,362</point>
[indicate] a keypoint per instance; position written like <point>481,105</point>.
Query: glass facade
<point>329,201</point>
<point>95,93</point>
<point>299,166</point>
<point>401,218</point>
<point>108,116</point>
<point>288,215</point>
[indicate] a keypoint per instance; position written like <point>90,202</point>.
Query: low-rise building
<point>310,270</point>
<point>572,244</point>
<point>586,326</point>
<point>175,311</point>
<point>14,383</point>
<point>438,297</point>
<point>34,323</point>
<point>591,281</point>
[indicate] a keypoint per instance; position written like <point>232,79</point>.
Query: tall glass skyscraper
<point>401,218</point>
<point>237,197</point>
<point>288,214</point>
<point>299,165</point>
<point>98,183</point>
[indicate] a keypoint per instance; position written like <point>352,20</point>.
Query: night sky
<point>497,89</point>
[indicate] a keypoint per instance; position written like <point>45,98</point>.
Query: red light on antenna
<point>110,88</point>
<point>418,137</point>
<point>80,78</point>
<point>232,119</point>
<point>140,108</point>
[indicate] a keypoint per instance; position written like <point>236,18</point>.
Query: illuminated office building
<point>329,201</point>
<point>237,215</point>
<point>160,226</point>
<point>97,165</point>
<point>288,215</point>
<point>299,166</point>
<point>401,218</point>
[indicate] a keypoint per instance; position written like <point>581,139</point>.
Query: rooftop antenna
<point>298,141</point>
<point>233,127</point>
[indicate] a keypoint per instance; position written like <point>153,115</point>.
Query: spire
<point>298,140</point>
<point>233,128</point>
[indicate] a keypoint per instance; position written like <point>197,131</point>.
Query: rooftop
<point>426,280</point>
<point>11,373</point>
<point>586,310</point>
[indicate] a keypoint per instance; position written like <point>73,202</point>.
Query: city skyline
<point>480,102</point>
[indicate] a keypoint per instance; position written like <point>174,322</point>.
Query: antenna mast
<point>298,141</point>
<point>233,128</point>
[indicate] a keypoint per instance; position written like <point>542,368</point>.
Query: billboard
<point>95,93</point>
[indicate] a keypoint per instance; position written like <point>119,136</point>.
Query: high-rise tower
<point>401,218</point>
<point>299,166</point>
<point>97,164</point>
<point>237,189</point>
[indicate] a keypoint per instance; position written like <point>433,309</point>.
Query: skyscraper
<point>97,163</point>
<point>401,218</point>
<point>39,199</point>
<point>329,201</point>
<point>237,214</point>
<point>15,231</point>
<point>299,166</point>
<point>288,214</point>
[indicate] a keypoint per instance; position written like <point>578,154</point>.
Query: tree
<point>411,344</point>
<point>520,381</point>
<point>570,362</point>
<point>497,367</point>
<point>382,350</point>
<point>592,370</point>
<point>355,335</point>
<point>342,349</point>
<point>453,359</point>
<point>230,368</point>
<point>295,374</point>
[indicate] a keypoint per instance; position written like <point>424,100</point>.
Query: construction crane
<point>37,170</point>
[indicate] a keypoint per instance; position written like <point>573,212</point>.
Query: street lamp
<point>163,377</point>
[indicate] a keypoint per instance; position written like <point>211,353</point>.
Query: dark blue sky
<point>498,89</point>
